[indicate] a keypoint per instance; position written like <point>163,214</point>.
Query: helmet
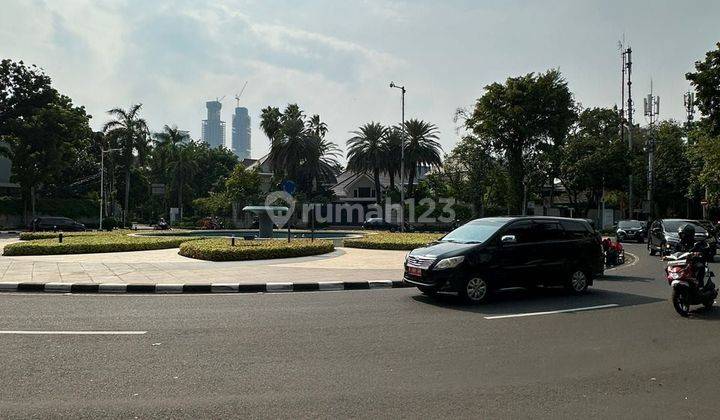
<point>686,233</point>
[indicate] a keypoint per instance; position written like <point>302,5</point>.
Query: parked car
<point>630,230</point>
<point>500,252</point>
<point>56,224</point>
<point>663,236</point>
<point>378,223</point>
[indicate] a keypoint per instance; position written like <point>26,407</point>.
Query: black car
<point>630,230</point>
<point>663,236</point>
<point>378,223</point>
<point>501,252</point>
<point>56,224</point>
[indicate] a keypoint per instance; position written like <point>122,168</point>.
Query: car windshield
<point>474,232</point>
<point>630,224</point>
<point>673,226</point>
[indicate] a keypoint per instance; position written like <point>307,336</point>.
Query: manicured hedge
<point>393,241</point>
<point>87,243</point>
<point>31,236</point>
<point>221,250</point>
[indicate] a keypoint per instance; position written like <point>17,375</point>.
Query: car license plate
<point>415,271</point>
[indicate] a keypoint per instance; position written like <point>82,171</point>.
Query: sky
<point>336,58</point>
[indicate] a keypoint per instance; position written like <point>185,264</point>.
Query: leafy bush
<point>393,241</point>
<point>221,250</point>
<point>90,242</point>
<point>110,223</point>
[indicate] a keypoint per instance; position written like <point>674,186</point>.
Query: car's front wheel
<point>578,281</point>
<point>475,290</point>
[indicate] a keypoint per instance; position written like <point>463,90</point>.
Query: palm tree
<point>130,134</point>
<point>166,143</point>
<point>367,152</point>
<point>181,169</point>
<point>317,127</point>
<point>392,146</point>
<point>321,162</point>
<point>288,143</point>
<point>270,121</point>
<point>421,147</point>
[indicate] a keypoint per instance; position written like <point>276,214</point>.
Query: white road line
<point>587,308</point>
<point>19,332</point>
<point>635,260</point>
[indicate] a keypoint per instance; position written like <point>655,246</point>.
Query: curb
<point>147,288</point>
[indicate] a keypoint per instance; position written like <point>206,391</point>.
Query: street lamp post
<point>402,159</point>
<point>102,183</point>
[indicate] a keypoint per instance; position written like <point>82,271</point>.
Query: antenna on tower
<point>238,95</point>
<point>220,99</point>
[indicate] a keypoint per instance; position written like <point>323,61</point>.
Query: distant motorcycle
<point>691,280</point>
<point>162,225</point>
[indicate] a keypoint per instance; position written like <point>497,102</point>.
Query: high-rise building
<point>213,130</point>
<point>241,133</point>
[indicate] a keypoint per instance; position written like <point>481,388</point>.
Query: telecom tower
<point>652,109</point>
<point>627,124</point>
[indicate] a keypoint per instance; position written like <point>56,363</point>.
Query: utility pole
<point>689,101</point>
<point>402,159</point>
<point>627,124</point>
<point>652,109</point>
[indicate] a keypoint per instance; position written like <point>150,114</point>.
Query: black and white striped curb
<point>56,287</point>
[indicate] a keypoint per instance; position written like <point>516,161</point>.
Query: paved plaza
<point>166,266</point>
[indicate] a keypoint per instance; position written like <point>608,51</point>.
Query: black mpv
<point>502,252</point>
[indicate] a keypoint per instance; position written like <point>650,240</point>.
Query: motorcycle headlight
<point>449,263</point>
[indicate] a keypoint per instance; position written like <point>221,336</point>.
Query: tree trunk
<point>516,188</point>
<point>411,181</point>
<point>32,201</point>
<point>127,197</point>
<point>392,180</point>
<point>376,178</point>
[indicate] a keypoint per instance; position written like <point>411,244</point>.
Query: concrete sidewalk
<point>167,267</point>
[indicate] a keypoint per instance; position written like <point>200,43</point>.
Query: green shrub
<point>393,241</point>
<point>221,250</point>
<point>91,242</point>
<point>31,236</point>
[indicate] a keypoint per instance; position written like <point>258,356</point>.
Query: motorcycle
<point>683,272</point>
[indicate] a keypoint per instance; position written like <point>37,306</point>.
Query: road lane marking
<point>635,260</point>
<point>587,308</point>
<point>19,332</point>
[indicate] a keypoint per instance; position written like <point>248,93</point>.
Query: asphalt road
<point>381,353</point>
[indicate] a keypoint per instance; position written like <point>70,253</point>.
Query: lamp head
<point>392,84</point>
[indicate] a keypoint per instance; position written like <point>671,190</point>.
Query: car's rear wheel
<point>475,290</point>
<point>577,282</point>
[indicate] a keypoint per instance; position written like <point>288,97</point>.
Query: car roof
<point>507,219</point>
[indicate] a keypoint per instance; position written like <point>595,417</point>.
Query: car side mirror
<point>508,239</point>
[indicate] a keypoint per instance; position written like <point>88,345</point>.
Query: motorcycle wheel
<point>681,302</point>
<point>708,304</point>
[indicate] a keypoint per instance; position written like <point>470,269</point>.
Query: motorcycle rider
<point>687,243</point>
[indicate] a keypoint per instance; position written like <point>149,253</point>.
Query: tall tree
<point>522,117</point>
<point>392,147</point>
<point>594,157</point>
<point>182,168</point>
<point>128,132</point>
<point>671,169</point>
<point>270,121</point>
<point>298,149</point>
<point>367,152</point>
<point>41,131</point>
<point>706,80</point>
<point>421,148</point>
<point>166,143</point>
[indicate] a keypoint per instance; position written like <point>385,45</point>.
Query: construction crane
<point>220,99</point>
<point>237,96</point>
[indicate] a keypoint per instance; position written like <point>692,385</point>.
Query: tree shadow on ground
<point>518,301</point>
<point>621,278</point>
